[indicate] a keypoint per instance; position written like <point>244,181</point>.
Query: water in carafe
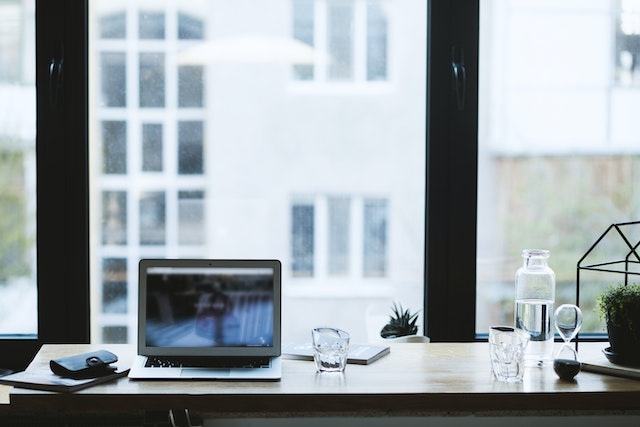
<point>535,296</point>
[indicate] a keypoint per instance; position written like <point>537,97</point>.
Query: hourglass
<point>568,320</point>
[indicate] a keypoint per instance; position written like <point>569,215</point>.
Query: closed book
<point>359,354</point>
<point>601,365</point>
<point>48,381</point>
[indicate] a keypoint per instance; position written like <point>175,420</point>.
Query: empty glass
<point>330,349</point>
<point>506,346</point>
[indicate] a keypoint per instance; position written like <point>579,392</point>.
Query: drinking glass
<point>506,346</point>
<point>330,349</point>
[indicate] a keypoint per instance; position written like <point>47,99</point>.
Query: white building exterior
<point>340,151</point>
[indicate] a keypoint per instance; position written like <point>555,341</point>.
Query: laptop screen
<point>209,308</point>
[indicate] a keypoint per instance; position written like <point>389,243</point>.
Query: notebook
<point>208,319</point>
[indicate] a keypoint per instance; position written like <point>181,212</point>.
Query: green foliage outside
<point>15,244</point>
<point>564,203</point>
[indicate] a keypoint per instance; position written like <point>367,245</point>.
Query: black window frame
<point>62,146</point>
<point>452,165</point>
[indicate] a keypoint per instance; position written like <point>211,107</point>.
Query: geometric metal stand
<point>623,260</point>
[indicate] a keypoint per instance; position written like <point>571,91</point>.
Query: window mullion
<point>451,195</point>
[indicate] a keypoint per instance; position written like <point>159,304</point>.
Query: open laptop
<point>208,319</point>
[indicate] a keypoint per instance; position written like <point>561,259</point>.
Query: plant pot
<point>625,345</point>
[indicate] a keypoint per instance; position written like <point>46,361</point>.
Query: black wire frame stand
<point>618,266</point>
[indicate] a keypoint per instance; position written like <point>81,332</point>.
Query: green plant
<point>16,242</point>
<point>401,323</point>
<point>620,305</point>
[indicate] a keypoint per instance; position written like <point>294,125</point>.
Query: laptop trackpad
<point>204,372</point>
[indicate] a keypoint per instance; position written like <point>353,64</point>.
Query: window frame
<point>452,148</point>
<point>63,171</point>
<point>62,184</point>
<point>63,177</point>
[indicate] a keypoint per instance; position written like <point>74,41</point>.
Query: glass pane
<point>114,83</point>
<point>340,41</point>
<point>262,135</point>
<point>375,238</point>
<point>152,147</point>
<point>114,218</point>
<point>191,220</point>
<point>114,291</point>
<point>113,25</point>
<point>339,227</point>
<point>376,42</point>
<point>558,142</point>
<point>190,27</point>
<point>114,146</point>
<point>302,240</point>
<point>153,218</point>
<point>152,75</point>
<point>303,30</point>
<point>190,148</point>
<point>190,86</point>
<point>18,292</point>
<point>151,25</point>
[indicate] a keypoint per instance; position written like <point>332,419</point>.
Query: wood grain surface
<point>415,378</point>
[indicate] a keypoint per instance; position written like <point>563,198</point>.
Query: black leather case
<point>86,365</point>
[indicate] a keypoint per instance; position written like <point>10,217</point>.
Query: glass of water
<point>330,349</point>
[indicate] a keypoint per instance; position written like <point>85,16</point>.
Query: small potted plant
<point>401,323</point>
<point>620,306</point>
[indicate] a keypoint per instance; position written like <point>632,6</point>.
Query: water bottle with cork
<point>535,297</point>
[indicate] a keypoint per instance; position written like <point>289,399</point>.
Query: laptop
<point>208,319</point>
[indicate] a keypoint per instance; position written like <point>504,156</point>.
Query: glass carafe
<point>535,297</point>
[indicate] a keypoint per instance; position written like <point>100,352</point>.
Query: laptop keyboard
<point>216,362</point>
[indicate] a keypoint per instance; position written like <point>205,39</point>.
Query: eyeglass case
<point>87,365</point>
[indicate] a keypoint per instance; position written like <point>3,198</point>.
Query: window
<point>114,296</point>
<point>152,147</point>
<point>339,226</point>
<point>558,150</point>
<point>148,175</point>
<point>114,69</point>
<point>339,236</point>
<point>302,239</point>
<point>190,147</point>
<point>353,33</point>
<point>153,218</point>
<point>113,25</point>
<point>211,149</point>
<point>303,30</point>
<point>191,218</point>
<point>151,25</point>
<point>190,86</point>
<point>628,43</point>
<point>375,238</point>
<point>18,270</point>
<point>114,142</point>
<point>83,127</point>
<point>114,218</point>
<point>152,79</point>
<point>189,27</point>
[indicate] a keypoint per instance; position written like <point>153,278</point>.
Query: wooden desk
<point>414,379</point>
